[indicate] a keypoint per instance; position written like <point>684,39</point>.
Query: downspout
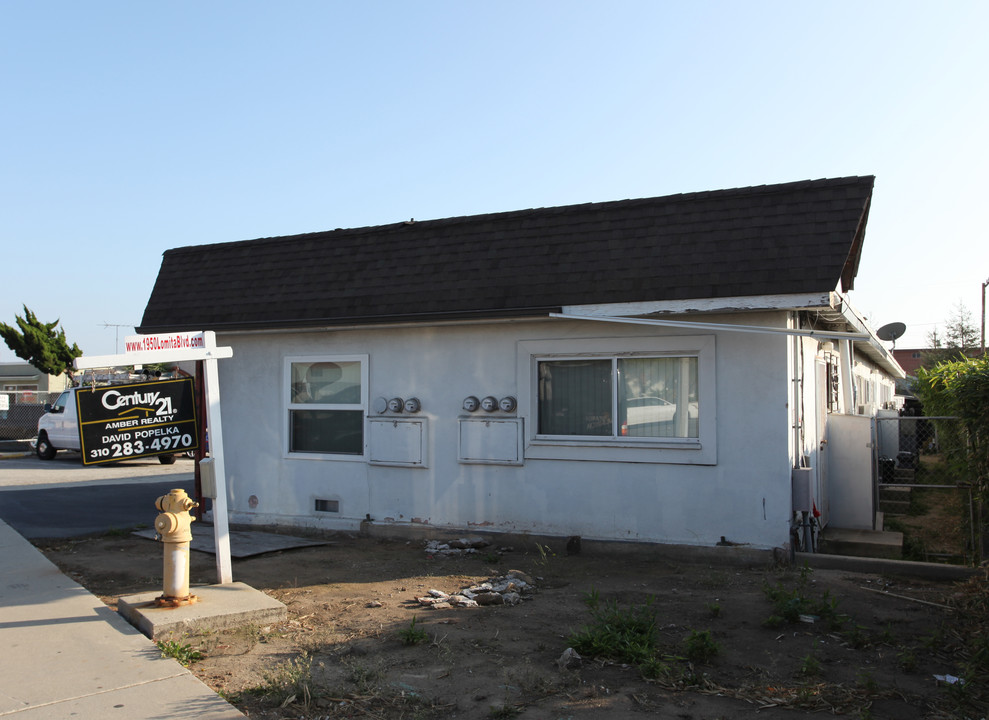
<point>795,365</point>
<point>847,379</point>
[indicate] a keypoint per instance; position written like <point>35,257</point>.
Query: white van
<point>58,428</point>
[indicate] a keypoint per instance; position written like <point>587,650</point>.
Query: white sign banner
<point>171,341</point>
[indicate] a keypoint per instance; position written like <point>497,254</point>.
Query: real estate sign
<point>138,420</point>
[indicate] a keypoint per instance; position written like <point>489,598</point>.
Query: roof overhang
<point>840,321</point>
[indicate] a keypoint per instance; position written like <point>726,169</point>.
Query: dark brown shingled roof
<point>802,237</point>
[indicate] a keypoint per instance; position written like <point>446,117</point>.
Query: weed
<point>774,622</point>
<point>659,668</point>
<point>545,554</point>
<point>867,681</point>
<point>886,636</point>
<point>233,698</point>
<point>184,654</point>
<point>288,682</point>
<point>810,665</point>
<point>116,532</point>
<point>700,646</point>
<point>256,634</point>
<point>492,558</point>
<point>714,609</point>
<point>363,677</point>
<point>624,635</point>
<point>858,637</point>
<point>790,604</point>
<point>906,660</point>
<point>412,635</point>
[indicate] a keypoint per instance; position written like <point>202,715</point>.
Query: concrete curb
<point>13,455</point>
<point>929,571</point>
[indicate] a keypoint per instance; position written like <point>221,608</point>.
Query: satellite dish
<point>891,332</point>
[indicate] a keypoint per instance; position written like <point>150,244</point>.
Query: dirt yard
<point>730,641</point>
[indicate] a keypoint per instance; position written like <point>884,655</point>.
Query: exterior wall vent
<point>327,505</point>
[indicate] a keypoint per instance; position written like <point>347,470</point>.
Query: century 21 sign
<point>122,422</point>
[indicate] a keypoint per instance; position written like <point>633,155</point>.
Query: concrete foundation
<point>219,607</point>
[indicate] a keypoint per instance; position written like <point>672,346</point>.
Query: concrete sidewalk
<point>66,655</point>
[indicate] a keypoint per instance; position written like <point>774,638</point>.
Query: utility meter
<point>412,405</point>
<point>396,405</point>
<point>489,404</point>
<point>507,404</point>
<point>471,404</point>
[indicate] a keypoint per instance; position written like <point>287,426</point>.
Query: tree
<point>41,344</point>
<point>959,339</point>
<point>959,332</point>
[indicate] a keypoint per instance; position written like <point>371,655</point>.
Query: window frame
<point>701,450</point>
<point>288,406</point>
<point>615,401</point>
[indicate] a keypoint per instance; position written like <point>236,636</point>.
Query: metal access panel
<point>398,441</point>
<point>850,442</point>
<point>491,441</point>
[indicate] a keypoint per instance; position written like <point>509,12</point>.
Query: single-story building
<point>663,370</point>
<point>24,390</point>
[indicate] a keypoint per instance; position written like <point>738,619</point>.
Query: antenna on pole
<point>116,338</point>
<point>891,332</point>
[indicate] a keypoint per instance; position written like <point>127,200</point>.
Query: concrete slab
<point>243,543</point>
<point>181,696</point>
<point>909,568</point>
<point>219,607</point>
<point>862,543</point>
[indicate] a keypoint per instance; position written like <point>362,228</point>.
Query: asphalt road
<point>61,498</point>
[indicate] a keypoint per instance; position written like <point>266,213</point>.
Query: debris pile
<point>509,589</point>
<point>461,546</point>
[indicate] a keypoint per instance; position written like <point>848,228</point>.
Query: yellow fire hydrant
<point>174,530</point>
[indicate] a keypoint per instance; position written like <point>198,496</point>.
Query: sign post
<point>178,347</point>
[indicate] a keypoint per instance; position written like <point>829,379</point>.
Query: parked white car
<point>58,429</point>
<point>645,416</point>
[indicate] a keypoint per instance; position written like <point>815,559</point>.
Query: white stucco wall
<point>743,496</point>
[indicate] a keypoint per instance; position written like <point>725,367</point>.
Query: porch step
<point>905,475</point>
<point>861,543</point>
<point>894,508</point>
<point>894,500</point>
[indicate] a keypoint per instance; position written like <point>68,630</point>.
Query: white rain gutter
<point>825,334</point>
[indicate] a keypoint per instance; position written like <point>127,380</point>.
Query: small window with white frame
<point>327,406</point>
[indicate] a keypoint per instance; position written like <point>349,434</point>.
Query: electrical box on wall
<point>398,441</point>
<point>491,441</point>
<point>207,478</point>
<point>800,489</point>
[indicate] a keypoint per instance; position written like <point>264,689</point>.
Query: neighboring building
<point>911,359</point>
<point>24,389</point>
<point>25,378</point>
<point>668,370</point>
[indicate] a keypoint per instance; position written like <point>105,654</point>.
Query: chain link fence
<point>20,410</point>
<point>924,495</point>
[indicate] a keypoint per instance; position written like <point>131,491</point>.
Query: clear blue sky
<point>132,127</point>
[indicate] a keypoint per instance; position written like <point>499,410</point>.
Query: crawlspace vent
<point>327,505</point>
